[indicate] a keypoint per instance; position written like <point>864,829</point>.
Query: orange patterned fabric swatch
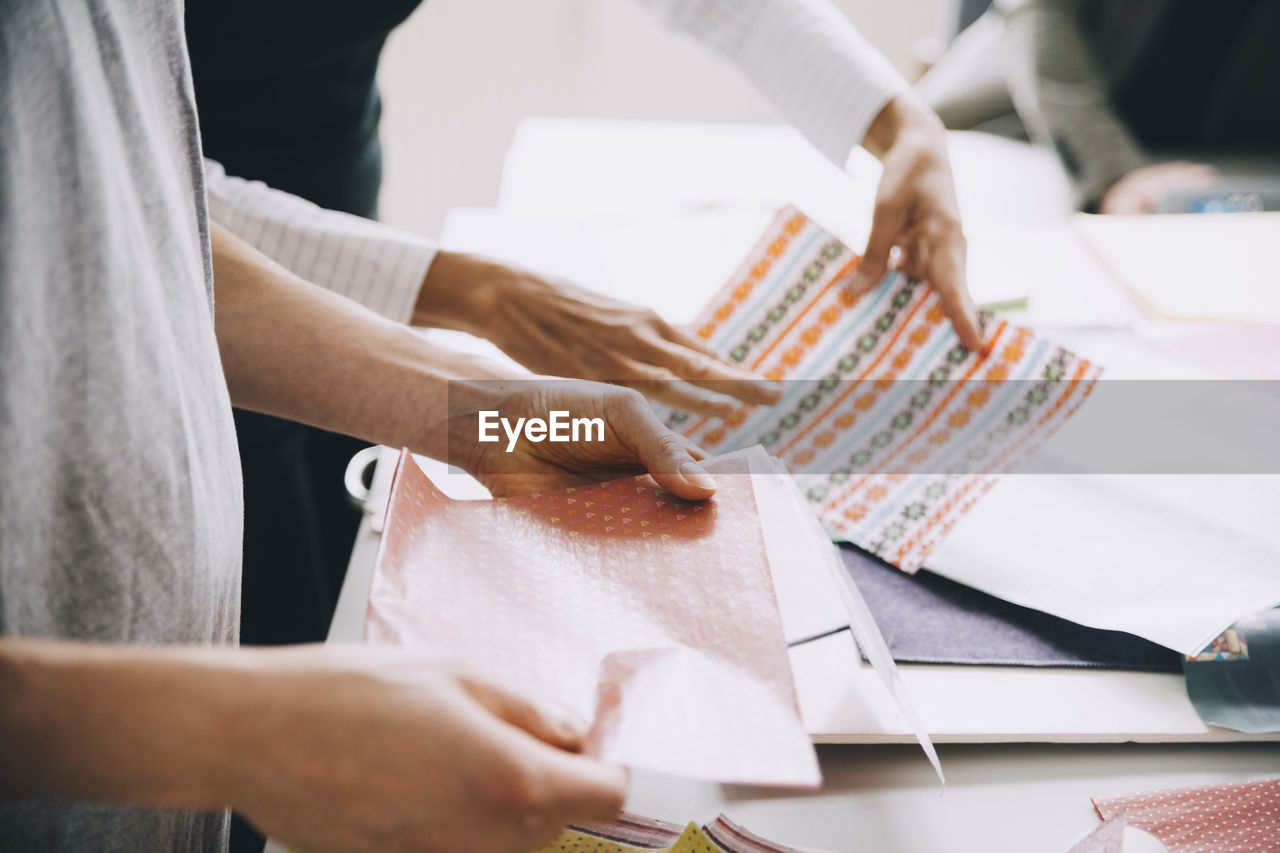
<point>890,425</point>
<point>650,616</point>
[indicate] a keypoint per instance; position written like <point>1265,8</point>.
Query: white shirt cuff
<point>804,55</point>
<point>378,266</point>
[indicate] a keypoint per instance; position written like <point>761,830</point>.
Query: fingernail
<point>720,406</point>
<point>698,476</point>
<point>974,314</point>
<point>571,728</point>
<point>567,723</point>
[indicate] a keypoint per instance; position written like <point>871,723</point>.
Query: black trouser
<point>298,528</point>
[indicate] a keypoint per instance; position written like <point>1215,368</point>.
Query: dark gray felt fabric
<point>929,619</point>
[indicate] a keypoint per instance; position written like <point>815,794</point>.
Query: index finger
<point>946,274</point>
<point>663,453</point>
<point>554,728</point>
<point>713,374</point>
<point>695,361</point>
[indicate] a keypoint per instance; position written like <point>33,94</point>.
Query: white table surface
<point>650,177</point>
<point>885,797</point>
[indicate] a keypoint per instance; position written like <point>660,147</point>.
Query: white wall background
<point>461,73</point>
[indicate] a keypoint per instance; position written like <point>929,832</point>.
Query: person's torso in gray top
<point>120,508</point>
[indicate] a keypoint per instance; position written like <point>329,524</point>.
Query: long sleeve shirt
<point>804,55</point>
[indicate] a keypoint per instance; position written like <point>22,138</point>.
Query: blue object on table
<point>1234,194</point>
<point>1235,681</point>
<point>927,618</point>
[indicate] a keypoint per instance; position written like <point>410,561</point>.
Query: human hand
<point>916,212</point>
<point>633,439</point>
<point>362,749</point>
<point>1142,190</point>
<point>555,327</point>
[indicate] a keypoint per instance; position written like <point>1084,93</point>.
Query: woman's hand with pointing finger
<point>554,327</point>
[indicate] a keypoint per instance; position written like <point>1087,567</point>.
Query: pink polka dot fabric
<point>1240,817</point>
<point>652,617</point>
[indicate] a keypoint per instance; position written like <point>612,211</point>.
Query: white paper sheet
<point>872,643</point>
<point>808,596</point>
<point>671,263</point>
<point>1223,267</point>
<point>565,165</point>
<point>1052,268</point>
<point>1173,558</point>
<point>812,571</point>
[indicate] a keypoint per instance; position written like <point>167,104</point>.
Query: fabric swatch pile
<point>632,832</point>
<point>1003,471</point>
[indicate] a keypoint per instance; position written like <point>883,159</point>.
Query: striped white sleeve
<point>804,55</point>
<point>378,266</point>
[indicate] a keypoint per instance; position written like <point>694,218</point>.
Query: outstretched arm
<point>292,349</point>
<point>323,748</point>
<point>549,325</point>
<point>1062,97</point>
<point>840,92</point>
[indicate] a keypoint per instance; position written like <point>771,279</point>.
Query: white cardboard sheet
<point>1175,558</point>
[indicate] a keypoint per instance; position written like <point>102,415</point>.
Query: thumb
<point>560,730</point>
<point>580,788</point>
<point>663,453</point>
<point>569,787</point>
<point>886,224</point>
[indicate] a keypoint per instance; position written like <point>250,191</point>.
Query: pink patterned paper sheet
<point>892,428</point>
<point>1237,817</point>
<point>652,617</point>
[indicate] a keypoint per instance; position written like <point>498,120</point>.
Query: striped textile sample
<point>892,428</point>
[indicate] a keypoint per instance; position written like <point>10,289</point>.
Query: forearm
<point>804,55</point>
<point>123,724</point>
<point>295,350</point>
<point>904,119</point>
<point>322,747</point>
<point>461,292</point>
<point>1062,97</point>
<point>380,267</point>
